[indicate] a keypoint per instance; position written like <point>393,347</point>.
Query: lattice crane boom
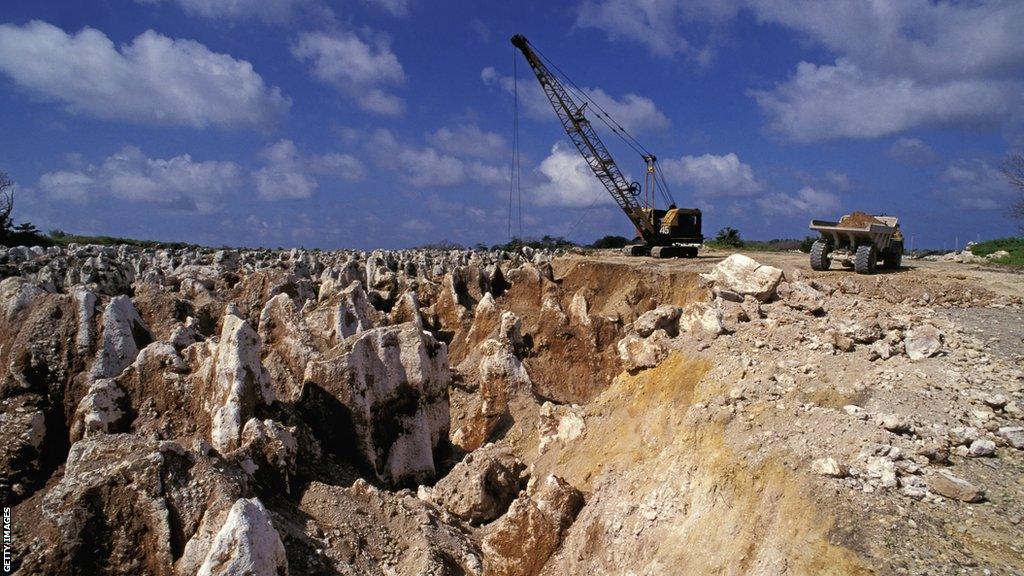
<point>595,153</point>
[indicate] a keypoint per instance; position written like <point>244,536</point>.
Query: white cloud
<point>958,64</point>
<point>566,180</point>
<point>354,67</point>
<point>838,180</point>
<point>974,185</point>
<point>179,183</point>
<point>66,185</point>
<point>284,176</point>
<point>393,7</point>
<point>344,166</point>
<point>933,40</point>
<point>153,80</point>
<point>843,101</point>
<point>893,66</point>
<point>468,140</point>
<point>287,174</point>
<point>806,201</point>
<point>713,176</point>
<point>426,167</point>
<point>266,10</point>
<point>635,113</point>
<point>912,151</point>
<point>656,23</point>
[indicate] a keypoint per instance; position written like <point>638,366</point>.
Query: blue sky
<point>387,123</point>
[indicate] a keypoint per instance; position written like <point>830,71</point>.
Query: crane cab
<point>679,225</point>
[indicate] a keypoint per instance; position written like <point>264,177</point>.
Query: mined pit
<point>453,412</point>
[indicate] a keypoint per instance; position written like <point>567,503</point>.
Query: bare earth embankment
<point>187,411</point>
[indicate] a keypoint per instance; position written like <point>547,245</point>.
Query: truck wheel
<point>867,258</point>
<point>894,259</point>
<point>820,259</point>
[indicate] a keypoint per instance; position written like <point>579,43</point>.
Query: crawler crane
<point>669,233</point>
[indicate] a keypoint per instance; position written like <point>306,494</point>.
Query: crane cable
<point>602,114</point>
<point>616,128</point>
<point>515,169</point>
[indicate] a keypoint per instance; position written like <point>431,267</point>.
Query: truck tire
<point>820,259</point>
<point>894,257</point>
<point>866,259</point>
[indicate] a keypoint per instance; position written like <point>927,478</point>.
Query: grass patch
<point>775,245</point>
<point>1013,246</point>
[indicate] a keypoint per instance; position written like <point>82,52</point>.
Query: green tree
<point>610,242</point>
<point>729,236</point>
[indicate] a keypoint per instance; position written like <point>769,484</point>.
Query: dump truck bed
<point>879,234</point>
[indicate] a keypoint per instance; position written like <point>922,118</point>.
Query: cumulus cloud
<point>838,180</point>
<point>975,185</point>
<point>635,113</point>
<point>152,80</point>
<point>287,174</point>
<point>959,64</point>
<point>468,140</point>
<point>178,183</point>
<point>912,151</point>
<point>713,176</point>
<point>955,63</point>
<point>356,68</point>
<point>427,167</point>
<point>807,200</point>
<point>266,10</point>
<point>393,7</point>
<point>656,23</point>
<point>566,180</point>
<point>844,101</point>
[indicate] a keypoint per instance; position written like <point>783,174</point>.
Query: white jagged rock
<point>579,309</point>
<point>246,544</point>
<point>637,353</point>
<point>393,378</point>
<point>665,317</point>
<point>239,382</point>
<point>740,275</point>
<point>124,334</point>
<point>99,410</point>
<point>85,307</point>
<point>354,314</point>
<point>702,319</point>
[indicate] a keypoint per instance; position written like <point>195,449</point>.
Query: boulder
<point>524,538</point>
<point>740,275</point>
<point>1013,436</point>
<point>480,488</point>
<point>637,353</point>
<point>955,488</point>
<point>246,544</point>
<point>702,319</point>
<point>665,317</point>
<point>829,467</point>
<point>923,341</point>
